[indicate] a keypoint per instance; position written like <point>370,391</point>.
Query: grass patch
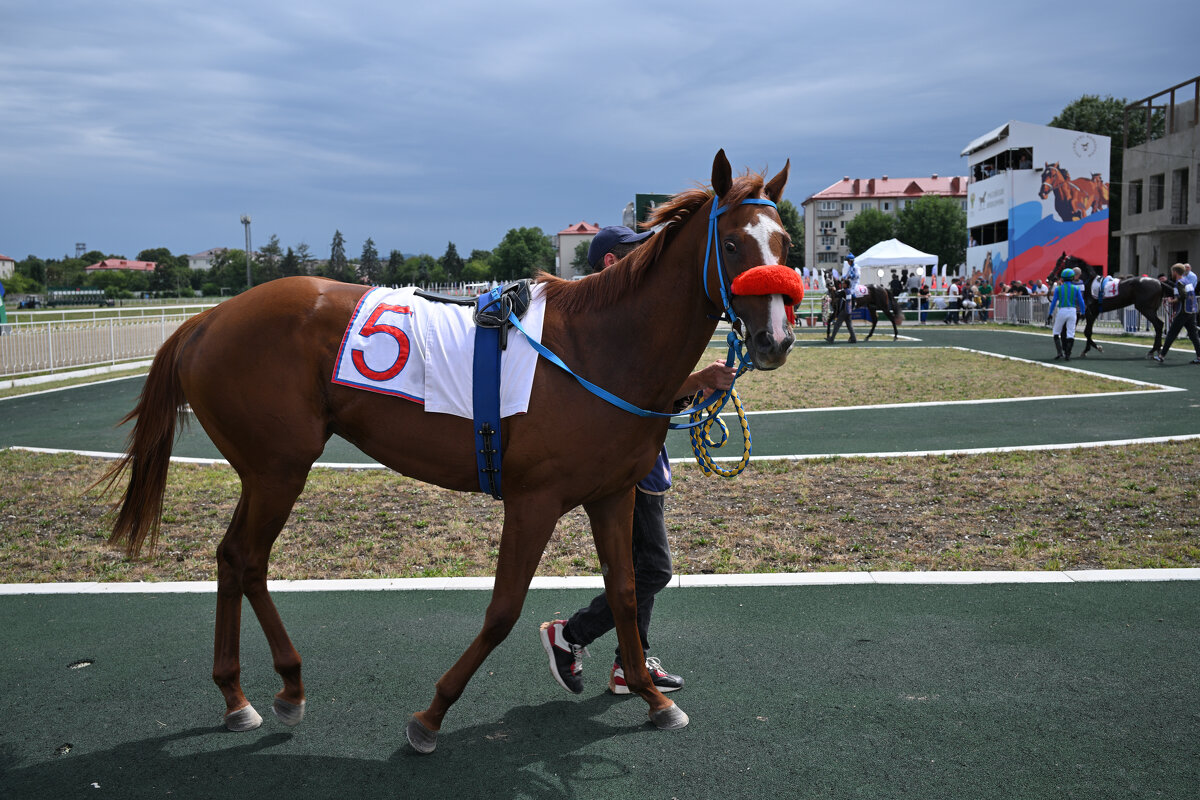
<point>1106,507</point>
<point>1111,507</point>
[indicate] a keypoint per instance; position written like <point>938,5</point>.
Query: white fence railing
<point>1032,310</point>
<point>32,347</point>
<point>38,347</point>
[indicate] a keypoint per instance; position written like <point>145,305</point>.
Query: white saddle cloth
<point>1110,287</point>
<point>400,344</point>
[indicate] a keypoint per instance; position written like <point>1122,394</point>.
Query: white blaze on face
<point>760,230</point>
<point>777,323</point>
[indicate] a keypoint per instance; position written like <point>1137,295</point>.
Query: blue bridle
<point>712,239</point>
<point>736,345</point>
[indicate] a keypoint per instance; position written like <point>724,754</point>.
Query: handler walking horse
<point>256,371</point>
<point>876,299</point>
<point>1143,293</point>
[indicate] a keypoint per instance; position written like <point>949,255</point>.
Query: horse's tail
<point>148,454</point>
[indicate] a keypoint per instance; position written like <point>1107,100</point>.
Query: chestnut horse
<point>256,371</point>
<point>1144,293</point>
<point>1072,198</point>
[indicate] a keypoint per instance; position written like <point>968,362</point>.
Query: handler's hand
<point>709,380</point>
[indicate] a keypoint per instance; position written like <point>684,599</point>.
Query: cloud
<point>420,123</point>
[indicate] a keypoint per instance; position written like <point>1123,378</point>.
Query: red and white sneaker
<point>665,681</point>
<point>566,659</point>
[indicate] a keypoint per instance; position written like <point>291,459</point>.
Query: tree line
<point>522,253</point>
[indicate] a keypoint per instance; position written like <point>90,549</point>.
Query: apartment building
<point>827,212</point>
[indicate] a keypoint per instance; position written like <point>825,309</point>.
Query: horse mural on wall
<point>1073,198</point>
<point>256,372</point>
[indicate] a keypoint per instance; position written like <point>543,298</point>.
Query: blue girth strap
<point>485,399</point>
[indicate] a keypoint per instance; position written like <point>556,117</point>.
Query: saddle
<point>514,299</point>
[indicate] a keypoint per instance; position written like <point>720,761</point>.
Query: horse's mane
<point>604,288</point>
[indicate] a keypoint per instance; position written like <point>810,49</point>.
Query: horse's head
<point>1082,269</point>
<point>751,247</point>
<point>1050,178</point>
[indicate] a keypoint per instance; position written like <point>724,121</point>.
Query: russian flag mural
<point>1035,193</point>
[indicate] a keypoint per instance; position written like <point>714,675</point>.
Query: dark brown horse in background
<point>256,371</point>
<point>878,299</point>
<point>1143,293</point>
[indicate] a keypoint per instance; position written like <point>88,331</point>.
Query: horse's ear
<point>722,174</point>
<point>774,188</point>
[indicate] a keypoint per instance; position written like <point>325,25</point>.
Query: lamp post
<point>246,223</point>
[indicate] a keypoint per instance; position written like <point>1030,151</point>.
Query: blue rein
<point>736,345</point>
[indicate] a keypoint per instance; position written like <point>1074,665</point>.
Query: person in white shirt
<point>952,303</point>
<point>850,272</point>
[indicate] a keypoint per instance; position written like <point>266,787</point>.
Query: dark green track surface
<point>84,418</point>
<point>1002,691</point>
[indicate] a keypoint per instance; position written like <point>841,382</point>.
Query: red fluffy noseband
<point>771,279</point>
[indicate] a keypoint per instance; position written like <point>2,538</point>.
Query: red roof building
<point>121,263</point>
<point>567,240</point>
<point>827,212</point>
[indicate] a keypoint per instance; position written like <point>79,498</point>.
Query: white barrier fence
<point>1032,310</point>
<point>39,347</point>
<point>32,347</point>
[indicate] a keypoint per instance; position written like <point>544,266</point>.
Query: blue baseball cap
<point>850,256</point>
<point>610,237</point>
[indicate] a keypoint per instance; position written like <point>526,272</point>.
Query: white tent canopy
<point>894,253</point>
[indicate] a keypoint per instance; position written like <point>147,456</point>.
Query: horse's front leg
<point>528,524</point>
<point>612,530</point>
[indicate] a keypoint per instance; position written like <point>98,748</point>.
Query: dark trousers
<point>843,315</point>
<point>651,572</point>
<point>1182,320</point>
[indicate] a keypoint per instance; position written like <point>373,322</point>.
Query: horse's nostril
<point>765,342</point>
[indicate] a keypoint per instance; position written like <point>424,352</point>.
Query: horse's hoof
<point>421,738</point>
<point>289,714</point>
<point>244,719</point>
<point>670,718</point>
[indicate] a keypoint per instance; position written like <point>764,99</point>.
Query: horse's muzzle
<point>769,351</point>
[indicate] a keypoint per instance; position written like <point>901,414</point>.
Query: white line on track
<point>979,578</point>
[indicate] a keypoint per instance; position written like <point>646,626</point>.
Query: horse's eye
<point>730,247</point>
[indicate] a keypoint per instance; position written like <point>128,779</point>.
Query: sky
<point>138,124</point>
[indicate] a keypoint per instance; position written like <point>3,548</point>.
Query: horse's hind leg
<point>242,571</point>
<point>528,525</point>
